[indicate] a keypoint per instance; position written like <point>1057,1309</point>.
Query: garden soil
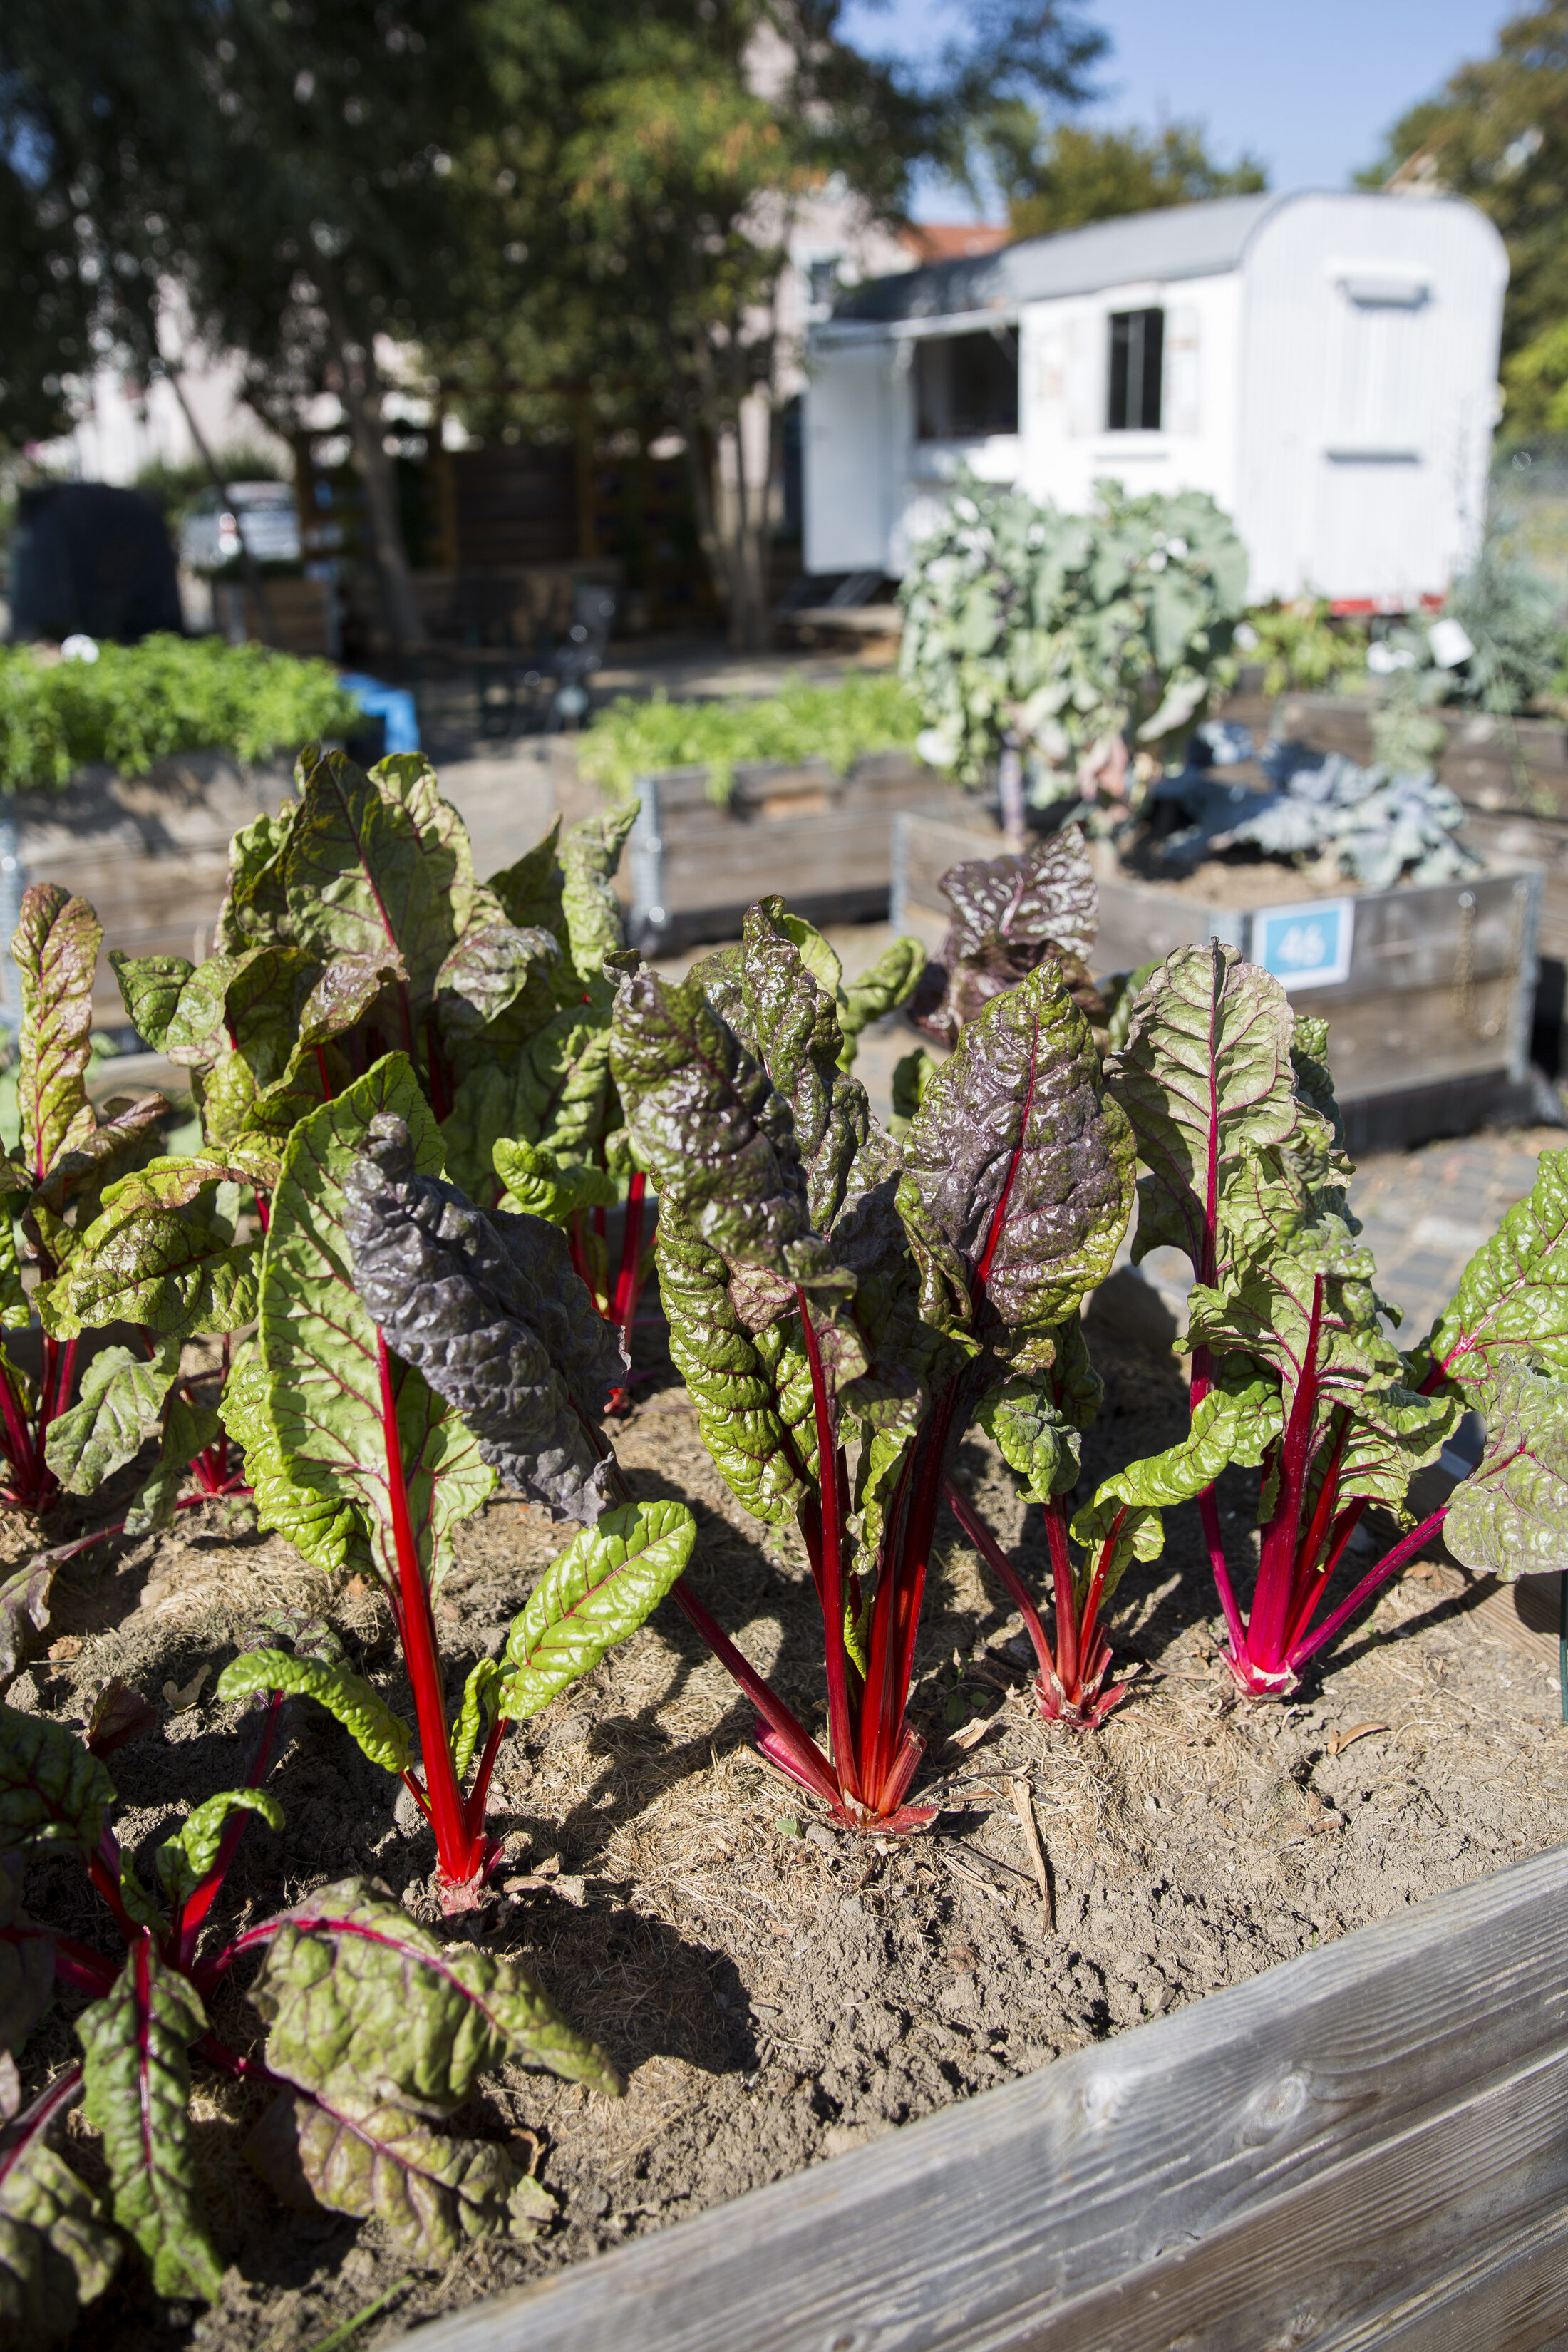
<point>774,1991</point>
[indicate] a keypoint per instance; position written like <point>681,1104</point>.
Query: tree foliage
<point>1062,176</point>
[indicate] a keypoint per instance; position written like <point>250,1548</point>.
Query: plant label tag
<point>1306,945</point>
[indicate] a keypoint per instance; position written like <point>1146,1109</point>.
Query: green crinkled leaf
<point>150,989</point>
<point>1033,1436</point>
<point>56,2250</point>
<point>1227,1428</point>
<point>1512,1299</point>
<point>161,1253</point>
<point>1394,1433</point>
<point>554,1093</point>
<point>255,909</point>
<point>880,989</point>
<point>183,1862</point>
<point>1510,1515</point>
<point>537,1183</point>
<point>1205,1077</point>
<point>477,1713</point>
<point>589,855</point>
<point>27,1964</point>
<point>380,1734</point>
<point>600,1589</point>
<point>56,948</point>
<point>321,1351</point>
<point>362,2005</point>
<point>530,890</point>
<point>52,1792</point>
<point>752,1390</point>
<point>188,1429</point>
<point>121,1407</point>
<point>327,1529</point>
<point>490,968</point>
<point>911,1075</point>
<point>1019,1173</point>
<point>136,2077</point>
<point>432,2195</point>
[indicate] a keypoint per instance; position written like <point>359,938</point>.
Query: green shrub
<point>835,723</point>
<point>1302,649</point>
<point>136,704</point>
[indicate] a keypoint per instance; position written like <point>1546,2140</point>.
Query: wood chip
<point>1024,1806</point>
<point>1339,1741</point>
<point>180,1702</point>
<point>974,1733</point>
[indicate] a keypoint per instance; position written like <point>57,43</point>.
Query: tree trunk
<point>360,391</point>
<point>250,567</point>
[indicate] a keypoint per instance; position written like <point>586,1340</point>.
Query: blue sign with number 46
<point>1306,945</point>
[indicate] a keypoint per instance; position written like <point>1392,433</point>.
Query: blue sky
<point>1309,88</point>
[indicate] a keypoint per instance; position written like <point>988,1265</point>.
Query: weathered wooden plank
<point>1365,2123</point>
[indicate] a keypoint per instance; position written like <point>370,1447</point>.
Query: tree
<point>285,163</point>
<point>1062,176</point>
<point>1498,133</point>
<point>655,224</point>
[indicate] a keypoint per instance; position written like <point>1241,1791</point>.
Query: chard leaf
<point>52,1792</point>
<point>1033,1436</point>
<point>136,2075</point>
<point>362,2005</point>
<point>27,1964</point>
<point>56,948</point>
<point>554,1093</point>
<point>255,911</point>
<point>487,971</point>
<point>1394,1433</point>
<point>25,1606</point>
<point>539,1185</point>
<point>589,855</point>
<point>326,1527</point>
<point>149,989</point>
<point>432,2195</point>
<point>158,1255</point>
<point>1205,1077</point>
<point>477,1714</point>
<point>320,1344</point>
<point>1510,1515</point>
<point>379,1734</point>
<point>712,1132</point>
<point>1049,894</point>
<point>1512,1299</point>
<point>489,1310</point>
<point>880,989</point>
<point>197,1032</point>
<point>599,1590</point>
<point>121,1408</point>
<point>531,892</point>
<point>911,1075</point>
<point>752,1390</point>
<point>1020,1174</point>
<point>1228,1427</point>
<point>188,1429</point>
<point>56,2250</point>
<point>183,1862</point>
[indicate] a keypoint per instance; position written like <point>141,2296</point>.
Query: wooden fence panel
<point>1367,2146</point>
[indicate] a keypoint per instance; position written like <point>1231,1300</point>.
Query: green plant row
<point>835,723</point>
<point>136,704</point>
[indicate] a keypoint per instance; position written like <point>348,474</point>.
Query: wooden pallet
<point>1367,2146</point>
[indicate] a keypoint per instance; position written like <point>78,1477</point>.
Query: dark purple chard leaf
<point>1018,1179</point>
<point>1050,894</point>
<point>24,1604</point>
<point>119,1715</point>
<point>1206,1077</point>
<point>52,1792</point>
<point>1510,1517</point>
<point>712,1131</point>
<point>26,1961</point>
<point>320,1408</point>
<point>432,2195</point>
<point>488,1310</point>
<point>362,2006</point>
<point>56,2251</point>
<point>136,2075</point>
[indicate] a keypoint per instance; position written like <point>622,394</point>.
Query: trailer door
<point>847,458</point>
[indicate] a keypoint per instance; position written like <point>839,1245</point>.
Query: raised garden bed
<point>777,1999</point>
<point>822,842</point>
<point>1431,1019</point>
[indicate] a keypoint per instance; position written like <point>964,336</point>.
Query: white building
<point>1324,365</point>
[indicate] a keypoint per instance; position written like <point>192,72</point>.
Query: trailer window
<point>1137,371</point>
<point>966,385</point>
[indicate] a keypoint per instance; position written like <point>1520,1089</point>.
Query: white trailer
<point>1324,365</point>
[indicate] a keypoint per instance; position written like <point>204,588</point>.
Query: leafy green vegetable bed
<point>835,723</point>
<point>136,704</point>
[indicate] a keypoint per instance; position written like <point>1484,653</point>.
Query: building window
<point>967,386</point>
<point>822,282</point>
<point>1137,371</point>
